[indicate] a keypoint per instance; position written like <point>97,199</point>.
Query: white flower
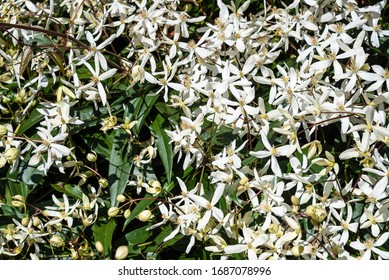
<point>50,145</point>
<point>211,209</point>
<point>273,153</point>
<point>376,32</point>
<point>96,50</point>
<point>96,80</point>
<point>249,244</point>
<point>63,211</point>
<point>370,245</point>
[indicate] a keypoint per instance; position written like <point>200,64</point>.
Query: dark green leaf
<point>142,106</point>
<point>138,235</point>
<point>119,166</point>
<point>70,190</point>
<point>28,122</point>
<point>10,212</point>
<point>164,149</point>
<point>103,232</point>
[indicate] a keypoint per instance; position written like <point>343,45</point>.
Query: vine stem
<point>66,36</point>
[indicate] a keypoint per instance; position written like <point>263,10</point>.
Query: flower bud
<point>113,212</point>
<point>152,151</point>
<point>25,221</point>
<point>36,221</point>
<point>57,241</point>
<point>145,215</point>
<point>92,157</point>
<point>317,213</point>
<point>11,154</point>
<point>121,198</point>
<point>155,184</point>
<point>21,96</point>
<point>273,228</point>
<point>121,252</point>
<point>3,161</point>
<point>320,214</point>
<point>295,200</point>
<point>138,74</point>
<point>103,183</point>
<point>243,181</point>
<point>310,211</point>
<point>99,247</point>
<point>297,250</point>
<point>18,201</point>
<point>3,130</point>
<point>127,213</point>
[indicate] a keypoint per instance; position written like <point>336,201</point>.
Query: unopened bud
<point>99,247</point>
<point>243,181</point>
<point>92,157</point>
<point>36,221</point>
<point>297,250</point>
<point>3,130</point>
<point>295,200</point>
<point>113,212</point>
<point>310,211</point>
<point>11,154</point>
<point>25,221</point>
<point>155,184</point>
<point>18,200</point>
<point>121,198</point>
<point>127,213</point>
<point>103,183</point>
<point>316,212</point>
<point>138,74</point>
<point>121,252</point>
<point>273,228</point>
<point>57,241</point>
<point>144,216</point>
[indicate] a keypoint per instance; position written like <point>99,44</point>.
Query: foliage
<point>194,129</point>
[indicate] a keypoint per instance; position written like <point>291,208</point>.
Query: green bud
<point>36,221</point>
<point>57,241</point>
<point>295,200</point>
<point>25,221</point>
<point>113,212</point>
<point>3,130</point>
<point>121,198</point>
<point>297,250</point>
<point>11,154</point>
<point>103,182</point>
<point>273,228</point>
<point>18,201</point>
<point>127,213</point>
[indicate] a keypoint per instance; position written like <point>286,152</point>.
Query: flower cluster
<point>247,131</point>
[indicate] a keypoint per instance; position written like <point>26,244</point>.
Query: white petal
<point>234,249</point>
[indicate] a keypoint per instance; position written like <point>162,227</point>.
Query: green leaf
<point>103,232</point>
<point>16,187</point>
<point>119,166</point>
<point>139,235</point>
<point>28,122</point>
<point>100,142</point>
<point>69,189</point>
<point>10,212</point>
<point>142,106</point>
<point>158,240</point>
<point>164,149</point>
<point>168,112</point>
<point>142,205</point>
